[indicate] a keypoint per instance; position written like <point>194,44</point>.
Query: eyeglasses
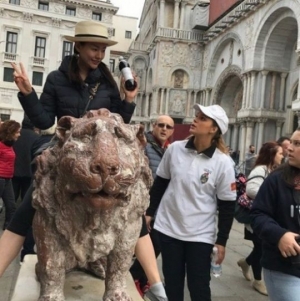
<point>162,125</point>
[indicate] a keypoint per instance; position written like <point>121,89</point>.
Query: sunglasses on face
<point>162,125</point>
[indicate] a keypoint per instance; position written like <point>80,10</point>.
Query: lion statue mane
<point>91,190</point>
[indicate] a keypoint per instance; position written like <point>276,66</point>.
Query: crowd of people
<point>193,198</point>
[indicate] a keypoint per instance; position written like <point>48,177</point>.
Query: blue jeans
<point>282,287</point>
<point>180,258</point>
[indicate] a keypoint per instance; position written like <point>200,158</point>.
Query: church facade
<point>242,55</point>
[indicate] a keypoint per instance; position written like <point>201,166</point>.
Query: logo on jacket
<point>204,177</point>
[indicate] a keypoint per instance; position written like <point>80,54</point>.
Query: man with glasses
<point>157,143</point>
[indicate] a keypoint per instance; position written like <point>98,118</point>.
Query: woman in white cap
<point>82,82</point>
<point>194,179</point>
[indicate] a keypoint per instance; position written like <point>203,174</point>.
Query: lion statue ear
<point>63,127</point>
<point>140,134</point>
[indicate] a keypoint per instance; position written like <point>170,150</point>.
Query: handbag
<point>242,214</point>
<point>243,206</point>
<point>245,201</point>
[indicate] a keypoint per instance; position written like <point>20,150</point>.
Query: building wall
<point>218,8</point>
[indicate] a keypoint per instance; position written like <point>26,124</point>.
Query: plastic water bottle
<point>215,269</point>
<point>124,67</point>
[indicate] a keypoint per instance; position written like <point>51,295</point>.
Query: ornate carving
<point>59,8</point>
<point>205,59</point>
<point>28,3</point>
<point>177,102</point>
<point>195,56</point>
<point>27,16</point>
<point>181,53</point>
<point>249,36</point>
<point>178,79</point>
<point>101,199</point>
<point>107,18</point>
<point>42,20</point>
<point>84,13</point>
<point>167,54</point>
<point>56,22</point>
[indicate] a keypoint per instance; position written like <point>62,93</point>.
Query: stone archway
<point>228,91</point>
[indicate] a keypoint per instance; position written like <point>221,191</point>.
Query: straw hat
<point>91,31</point>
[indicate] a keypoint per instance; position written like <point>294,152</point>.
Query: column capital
<point>279,123</point>
<point>283,75</point>
<point>262,120</point>
<point>264,72</point>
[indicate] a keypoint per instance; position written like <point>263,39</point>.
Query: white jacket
<point>253,185</point>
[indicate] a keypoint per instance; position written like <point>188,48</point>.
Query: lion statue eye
<point>86,139</point>
<point>124,134</point>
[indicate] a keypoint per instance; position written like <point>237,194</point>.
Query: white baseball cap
<point>216,113</point>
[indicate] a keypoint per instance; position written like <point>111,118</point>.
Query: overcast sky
<point>131,8</point>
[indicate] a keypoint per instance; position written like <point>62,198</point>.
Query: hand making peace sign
<point>21,78</point>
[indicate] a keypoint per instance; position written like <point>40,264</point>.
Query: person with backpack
<point>269,158</point>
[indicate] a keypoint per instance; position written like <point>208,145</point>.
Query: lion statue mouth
<point>100,199</point>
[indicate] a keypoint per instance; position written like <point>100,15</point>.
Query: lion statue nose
<point>103,168</point>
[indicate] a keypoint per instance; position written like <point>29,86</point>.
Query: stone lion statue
<point>91,190</point>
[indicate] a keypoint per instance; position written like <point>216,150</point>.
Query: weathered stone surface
<point>91,191</point>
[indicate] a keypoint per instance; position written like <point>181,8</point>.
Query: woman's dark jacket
<point>275,211</point>
<point>62,97</point>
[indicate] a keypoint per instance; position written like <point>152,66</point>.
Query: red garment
<point>7,161</point>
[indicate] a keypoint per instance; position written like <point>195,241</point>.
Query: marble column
<point>245,82</point>
<point>253,77</point>
<point>249,132</point>
<point>278,128</point>
<point>154,102</point>
<point>263,88</point>
<point>182,14</point>
<point>188,105</point>
<point>176,14</point>
<point>146,108</point>
<point>261,129</point>
<point>162,13</point>
<point>208,100</point>
<point>234,140</point>
<point>167,102</point>
<point>248,89</point>
<point>242,142</point>
<point>282,90</point>
<point>273,90</point>
<point>161,103</point>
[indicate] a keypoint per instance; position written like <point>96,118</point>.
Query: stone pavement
<point>231,286</point>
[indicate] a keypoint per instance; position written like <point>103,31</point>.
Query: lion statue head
<point>91,189</point>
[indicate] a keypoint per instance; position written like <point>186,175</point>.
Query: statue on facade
<point>177,106</point>
<point>91,190</point>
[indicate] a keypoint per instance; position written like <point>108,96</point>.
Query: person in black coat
<point>276,221</point>
<point>82,82</point>
<point>22,147</point>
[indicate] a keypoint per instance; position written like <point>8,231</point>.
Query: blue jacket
<point>275,212</point>
<point>62,97</point>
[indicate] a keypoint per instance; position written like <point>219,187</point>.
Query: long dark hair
<point>267,154</point>
<point>74,74</point>
<point>8,129</point>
